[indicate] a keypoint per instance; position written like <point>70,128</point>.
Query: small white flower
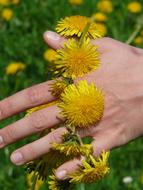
<point>127,179</point>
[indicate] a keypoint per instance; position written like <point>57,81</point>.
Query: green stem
<point>35,176</point>
<point>34,182</point>
<point>85,30</point>
<point>134,34</point>
<point>82,186</point>
<point>79,139</point>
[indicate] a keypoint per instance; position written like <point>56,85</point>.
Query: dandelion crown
<point>81,106</point>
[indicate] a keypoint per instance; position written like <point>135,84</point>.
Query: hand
<point>120,77</point>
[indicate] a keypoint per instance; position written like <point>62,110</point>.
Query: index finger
<point>57,41</point>
<point>25,99</point>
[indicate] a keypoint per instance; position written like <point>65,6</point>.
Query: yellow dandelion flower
<point>14,67</point>
<point>82,105</point>
<point>99,17</point>
<point>39,182</point>
<point>134,7</point>
<point>58,87</point>
<point>105,6</point>
<point>138,40</point>
<point>15,2</point>
<point>4,2</point>
<point>75,60</point>
<point>102,28</point>
<point>73,149</point>
<point>76,2</point>
<point>37,108</point>
<point>50,55</point>
<point>43,166</point>
<point>7,14</point>
<point>74,25</point>
<point>141,178</point>
<point>92,170</point>
<point>55,184</point>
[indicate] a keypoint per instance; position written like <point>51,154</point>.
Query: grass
<point>21,40</point>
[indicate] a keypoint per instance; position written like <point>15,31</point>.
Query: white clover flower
<point>127,179</point>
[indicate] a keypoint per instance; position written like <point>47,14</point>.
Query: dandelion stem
<point>134,34</point>
<point>34,182</point>
<point>79,139</point>
<point>85,30</point>
<point>82,186</point>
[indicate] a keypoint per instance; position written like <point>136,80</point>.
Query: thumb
<point>108,139</point>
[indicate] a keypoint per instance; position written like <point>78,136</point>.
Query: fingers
<point>37,148</point>
<point>67,168</point>
<point>36,122</point>
<point>56,41</point>
<point>36,95</point>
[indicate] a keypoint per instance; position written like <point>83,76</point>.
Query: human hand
<point>120,78</point>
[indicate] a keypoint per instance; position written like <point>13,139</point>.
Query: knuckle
<point>121,134</point>
<point>34,95</point>
<point>135,51</point>
<point>56,137</point>
<point>37,121</point>
<point>9,135</point>
<point>4,108</point>
<point>1,112</point>
<point>28,153</point>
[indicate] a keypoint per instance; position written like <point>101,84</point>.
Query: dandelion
<point>92,170</point>
<point>39,182</point>
<point>134,7</point>
<point>102,28</point>
<point>14,67</point>
<point>105,6</point>
<point>73,149</point>
<point>15,2</point>
<point>76,2</point>
<point>7,14</point>
<point>99,17</point>
<point>37,108</point>
<point>141,178</point>
<point>138,40</point>
<point>75,60</point>
<point>4,2</point>
<point>55,184</point>
<point>43,166</point>
<point>74,25</point>
<point>50,55</point>
<point>82,105</point>
<point>58,87</point>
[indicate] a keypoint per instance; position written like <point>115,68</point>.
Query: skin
<point>120,78</point>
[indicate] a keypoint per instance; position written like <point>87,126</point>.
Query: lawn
<point>21,40</point>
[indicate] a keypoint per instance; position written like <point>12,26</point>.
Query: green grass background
<point>21,39</point>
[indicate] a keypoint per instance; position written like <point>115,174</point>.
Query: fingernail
<point>1,142</point>
<point>61,175</point>
<point>17,158</point>
<point>51,35</point>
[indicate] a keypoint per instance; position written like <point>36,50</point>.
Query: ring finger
<point>37,148</point>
